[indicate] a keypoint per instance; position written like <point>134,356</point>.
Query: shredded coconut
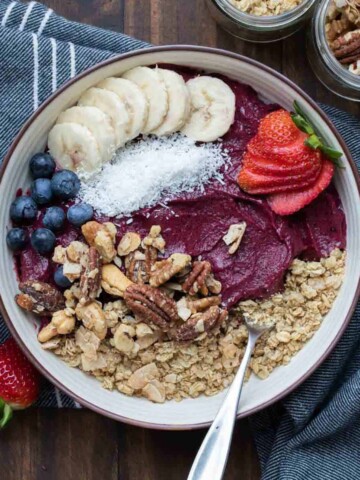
<point>151,169</point>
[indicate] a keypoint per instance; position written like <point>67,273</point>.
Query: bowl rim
<point>159,49</point>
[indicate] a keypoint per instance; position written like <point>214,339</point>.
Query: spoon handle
<point>212,456</point>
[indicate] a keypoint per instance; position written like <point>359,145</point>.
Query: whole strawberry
<point>19,381</point>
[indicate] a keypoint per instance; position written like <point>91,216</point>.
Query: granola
<point>265,7</point>
<point>137,360</point>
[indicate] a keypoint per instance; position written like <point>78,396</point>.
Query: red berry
<point>278,128</point>
<point>19,381</point>
<point>288,203</point>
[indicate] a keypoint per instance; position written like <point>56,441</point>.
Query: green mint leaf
<point>313,142</point>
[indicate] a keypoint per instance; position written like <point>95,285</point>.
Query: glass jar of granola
<point>333,46</point>
<point>261,20</point>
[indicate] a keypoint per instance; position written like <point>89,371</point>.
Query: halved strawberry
<point>288,203</point>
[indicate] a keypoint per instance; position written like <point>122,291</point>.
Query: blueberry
<point>41,191</point>
<point>79,214</point>
<point>42,165</point>
<point>65,184</point>
<point>43,240</point>
<point>16,239</point>
<point>60,278</point>
<point>23,210</point>
<point>54,218</point>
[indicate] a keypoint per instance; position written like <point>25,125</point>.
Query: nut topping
<point>196,281</point>
<point>199,323</point>
<point>203,303</point>
<point>166,269</point>
<point>151,305</point>
<point>129,243</point>
<point>40,298</point>
<point>102,237</point>
<point>234,236</point>
<point>91,276</point>
<point>62,323</point>
<point>93,318</point>
<point>113,281</point>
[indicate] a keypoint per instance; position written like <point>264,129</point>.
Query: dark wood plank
<point>80,445</point>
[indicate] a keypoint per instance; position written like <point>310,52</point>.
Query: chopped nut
<point>102,237</point>
<point>123,342</point>
<point>87,341</point>
<point>154,239</point>
<point>196,281</point>
<point>93,318</point>
<point>91,276</point>
<point>59,255</point>
<point>143,376</point>
<point>61,324</point>
<point>154,391</point>
<point>200,322</point>
<point>129,243</point>
<point>234,236</point>
<point>40,298</point>
<point>113,281</point>
<point>168,268</point>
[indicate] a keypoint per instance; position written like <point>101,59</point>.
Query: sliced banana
<point>135,102</point>
<point>74,147</point>
<point>153,86</point>
<point>110,104</point>
<point>213,109</point>
<point>97,122</point>
<point>179,103</point>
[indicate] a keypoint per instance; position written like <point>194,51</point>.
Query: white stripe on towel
<point>26,16</point>
<point>44,21</point>
<point>36,71</point>
<point>72,60</point>
<point>54,65</point>
<point>58,397</point>
<point>7,13</point>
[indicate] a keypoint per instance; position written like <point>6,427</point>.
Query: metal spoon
<point>210,462</point>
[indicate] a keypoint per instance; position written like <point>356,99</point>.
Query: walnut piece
<point>151,305</point>
<point>199,323</point>
<point>39,297</point>
<point>196,280</point>
<point>113,281</point>
<point>164,270</point>
<point>62,323</point>
<point>91,276</point>
<point>93,318</point>
<point>129,243</point>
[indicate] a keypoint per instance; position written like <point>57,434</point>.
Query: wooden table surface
<point>81,445</point>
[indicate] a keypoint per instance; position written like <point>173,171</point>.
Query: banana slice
<point>99,125</point>
<point>213,109</point>
<point>135,102</point>
<point>151,83</point>
<point>179,103</point>
<point>110,104</point>
<point>74,147</point>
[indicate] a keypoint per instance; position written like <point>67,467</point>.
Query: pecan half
<point>168,268</point>
<point>151,305</point>
<point>202,304</point>
<point>199,323</point>
<point>40,298</point>
<point>347,47</point>
<point>91,276</point>
<point>196,281</point>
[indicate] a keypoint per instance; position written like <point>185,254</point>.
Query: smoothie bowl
<point>151,204</point>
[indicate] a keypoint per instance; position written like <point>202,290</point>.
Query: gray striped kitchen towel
<point>314,434</point>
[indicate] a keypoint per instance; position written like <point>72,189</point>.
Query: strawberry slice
<point>288,203</point>
<point>19,381</point>
<point>259,184</point>
<point>278,129</point>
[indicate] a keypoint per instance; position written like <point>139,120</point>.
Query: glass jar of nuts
<point>333,46</point>
<point>261,20</point>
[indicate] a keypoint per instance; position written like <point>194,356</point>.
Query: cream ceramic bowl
<point>192,413</point>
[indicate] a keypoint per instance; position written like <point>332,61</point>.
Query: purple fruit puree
<point>195,223</point>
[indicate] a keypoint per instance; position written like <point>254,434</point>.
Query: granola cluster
<point>151,365</point>
<point>265,7</point>
<point>343,32</point>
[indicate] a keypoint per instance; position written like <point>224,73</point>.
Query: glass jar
<point>259,29</point>
<point>326,67</point>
